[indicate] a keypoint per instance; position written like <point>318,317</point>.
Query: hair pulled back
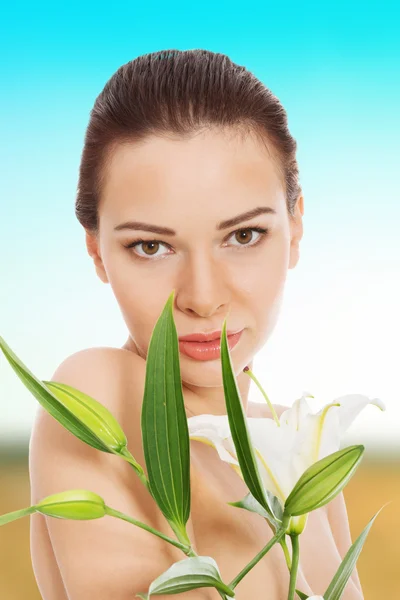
<point>180,92</point>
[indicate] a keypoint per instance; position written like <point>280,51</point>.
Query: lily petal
<point>274,450</point>
<point>318,435</point>
<point>294,415</point>
<point>351,405</point>
<point>214,431</point>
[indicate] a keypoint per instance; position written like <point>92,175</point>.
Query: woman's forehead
<point>210,165</point>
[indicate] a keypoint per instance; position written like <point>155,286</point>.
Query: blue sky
<point>336,70</point>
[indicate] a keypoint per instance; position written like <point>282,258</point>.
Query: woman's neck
<point>211,400</point>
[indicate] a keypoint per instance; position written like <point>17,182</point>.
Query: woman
<point>188,181</point>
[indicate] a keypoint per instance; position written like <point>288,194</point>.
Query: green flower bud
<point>73,504</point>
<point>94,415</point>
<point>324,480</point>
<point>296,525</point>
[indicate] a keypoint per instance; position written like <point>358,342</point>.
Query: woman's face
<point>218,269</point>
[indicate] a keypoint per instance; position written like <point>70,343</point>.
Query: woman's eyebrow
<point>254,212</point>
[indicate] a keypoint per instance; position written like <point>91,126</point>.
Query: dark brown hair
<point>174,92</point>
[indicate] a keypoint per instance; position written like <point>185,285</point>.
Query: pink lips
<point>205,337</point>
<point>207,350</point>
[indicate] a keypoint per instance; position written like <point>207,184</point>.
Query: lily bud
<point>296,525</point>
<point>73,504</point>
<point>91,413</point>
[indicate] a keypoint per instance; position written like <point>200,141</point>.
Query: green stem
<point>286,553</point>
<point>185,544</point>
<point>295,563</point>
<point>126,455</point>
<point>257,558</point>
<point>181,533</point>
<point>17,514</point>
<point>254,378</point>
<point>115,513</point>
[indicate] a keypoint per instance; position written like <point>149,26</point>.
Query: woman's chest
<point>233,536</point>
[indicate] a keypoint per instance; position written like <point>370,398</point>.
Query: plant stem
<point>17,514</point>
<point>115,513</point>
<point>180,532</point>
<point>286,553</point>
<point>295,563</point>
<point>126,455</point>
<point>258,384</point>
<point>257,558</point>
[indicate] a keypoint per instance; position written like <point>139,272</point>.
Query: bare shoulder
<point>115,378</point>
<point>104,373</point>
<point>100,361</point>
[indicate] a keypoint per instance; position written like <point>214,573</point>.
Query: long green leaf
<point>165,432</point>
<point>321,482</point>
<point>238,427</point>
<point>188,574</point>
<point>342,575</point>
<point>50,402</point>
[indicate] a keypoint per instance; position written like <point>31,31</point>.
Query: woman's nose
<point>202,287</point>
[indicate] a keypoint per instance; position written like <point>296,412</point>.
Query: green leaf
<point>275,505</point>
<point>50,402</point>
<point>301,595</point>
<point>189,574</point>
<point>165,432</point>
<point>342,575</point>
<point>321,482</point>
<point>251,504</point>
<point>238,427</point>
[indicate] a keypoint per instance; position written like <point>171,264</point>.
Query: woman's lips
<point>207,350</point>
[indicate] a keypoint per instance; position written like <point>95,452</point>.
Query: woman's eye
<point>244,237</point>
<point>150,247</point>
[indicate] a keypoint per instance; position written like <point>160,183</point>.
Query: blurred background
<point>336,70</point>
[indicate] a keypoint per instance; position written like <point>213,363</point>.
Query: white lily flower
<point>315,598</point>
<point>285,451</point>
